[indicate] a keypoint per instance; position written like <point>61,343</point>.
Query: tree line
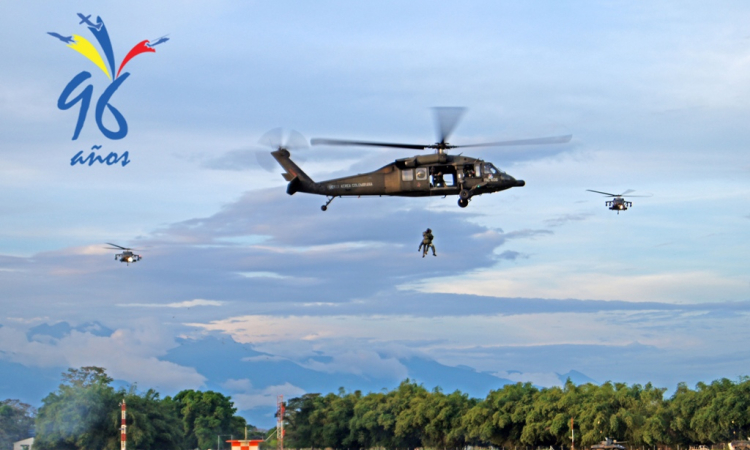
<point>84,414</point>
<point>521,414</point>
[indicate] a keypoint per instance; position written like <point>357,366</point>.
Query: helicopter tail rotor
<point>279,139</point>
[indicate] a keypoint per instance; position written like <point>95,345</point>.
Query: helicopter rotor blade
<point>280,138</point>
<point>446,119</point>
<point>117,246</point>
<point>272,138</point>
<point>536,141</point>
<point>266,161</point>
<point>295,141</point>
<point>342,142</point>
<point>627,192</point>
<point>277,139</point>
<point>605,193</point>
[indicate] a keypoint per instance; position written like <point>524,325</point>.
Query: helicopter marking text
<point>349,185</point>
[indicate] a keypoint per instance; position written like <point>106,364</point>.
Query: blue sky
<point>529,283</point>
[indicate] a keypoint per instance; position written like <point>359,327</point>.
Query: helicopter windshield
<point>491,170</point>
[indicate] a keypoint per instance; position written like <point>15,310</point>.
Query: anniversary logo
<point>116,79</point>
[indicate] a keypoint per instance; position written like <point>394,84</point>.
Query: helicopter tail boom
<point>297,178</point>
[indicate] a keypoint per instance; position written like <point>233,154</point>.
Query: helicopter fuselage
<point>437,174</point>
<point>618,204</point>
<point>128,257</point>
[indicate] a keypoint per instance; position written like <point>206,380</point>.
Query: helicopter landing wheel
<point>464,194</point>
<point>325,207</point>
<point>463,203</point>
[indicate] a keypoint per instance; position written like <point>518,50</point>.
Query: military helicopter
<point>618,203</point>
<point>127,255</point>
<point>438,174</point>
<point>609,444</point>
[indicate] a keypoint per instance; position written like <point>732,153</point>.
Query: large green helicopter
<point>438,174</point>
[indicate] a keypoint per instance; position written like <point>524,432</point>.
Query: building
<point>25,444</point>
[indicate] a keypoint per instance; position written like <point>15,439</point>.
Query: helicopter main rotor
<point>446,120</point>
<point>116,247</point>
<point>619,195</point>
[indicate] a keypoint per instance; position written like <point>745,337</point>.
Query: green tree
<point>299,410</point>
<point>712,413</point>
<point>499,419</point>
<point>81,415</point>
<point>546,418</point>
<point>16,422</point>
<point>444,419</point>
<point>205,416</point>
<point>152,423</point>
<point>367,425</point>
<point>84,414</point>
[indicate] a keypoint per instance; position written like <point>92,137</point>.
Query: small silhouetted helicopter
<point>609,444</point>
<point>618,202</point>
<point>127,255</point>
<point>439,174</point>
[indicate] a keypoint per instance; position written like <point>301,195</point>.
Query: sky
<point>531,284</point>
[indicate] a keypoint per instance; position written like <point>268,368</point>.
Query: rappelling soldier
<point>427,243</point>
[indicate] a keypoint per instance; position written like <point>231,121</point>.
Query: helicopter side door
<point>442,179</point>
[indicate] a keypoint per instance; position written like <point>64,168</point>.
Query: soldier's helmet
<point>429,231</point>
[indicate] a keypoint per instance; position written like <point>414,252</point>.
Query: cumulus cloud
<point>130,354</point>
<point>566,218</point>
<point>265,397</point>
<point>511,255</point>
<point>544,379</point>
<point>234,385</point>
<point>185,304</point>
<point>564,282</point>
<point>360,362</point>
<point>240,159</point>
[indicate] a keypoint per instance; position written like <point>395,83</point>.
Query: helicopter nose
<point>520,183</point>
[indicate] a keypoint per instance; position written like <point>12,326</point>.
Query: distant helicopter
<point>439,174</point>
<point>127,255</point>
<point>609,444</point>
<point>618,203</point>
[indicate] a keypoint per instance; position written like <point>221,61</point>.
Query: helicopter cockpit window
<point>489,169</point>
<point>421,174</point>
<point>407,175</point>
<point>478,169</point>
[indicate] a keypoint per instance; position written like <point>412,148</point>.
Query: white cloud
<point>262,275</point>
<point>128,354</point>
<point>360,362</point>
<point>28,320</point>
<point>560,282</point>
<point>184,304</point>
<point>233,385</point>
<point>265,397</point>
<point>544,379</point>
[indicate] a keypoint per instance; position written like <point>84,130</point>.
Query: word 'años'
<point>112,158</point>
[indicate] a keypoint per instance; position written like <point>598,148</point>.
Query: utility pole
<point>280,422</point>
<point>123,428</point>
